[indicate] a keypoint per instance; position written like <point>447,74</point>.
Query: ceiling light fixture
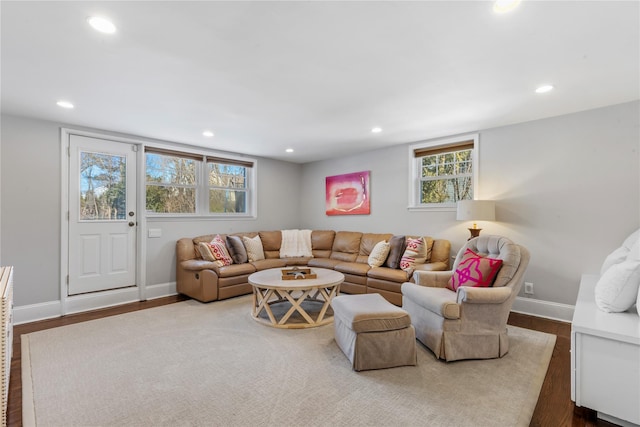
<point>64,104</point>
<point>504,6</point>
<point>544,89</point>
<point>289,150</point>
<point>208,134</point>
<point>101,24</point>
<point>376,130</point>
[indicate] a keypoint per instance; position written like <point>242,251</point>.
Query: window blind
<point>430,151</point>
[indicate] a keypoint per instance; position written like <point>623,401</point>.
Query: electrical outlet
<point>528,288</point>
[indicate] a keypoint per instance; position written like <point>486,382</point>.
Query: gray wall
<point>30,194</point>
<point>277,182</point>
<point>568,188</point>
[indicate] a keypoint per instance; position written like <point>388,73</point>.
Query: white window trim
<point>202,207</point>
<point>414,171</point>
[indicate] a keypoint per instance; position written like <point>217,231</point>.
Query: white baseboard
<point>86,302</point>
<point>546,309</point>
<point>97,300</point>
<point>161,290</point>
<point>35,312</point>
<point>614,420</point>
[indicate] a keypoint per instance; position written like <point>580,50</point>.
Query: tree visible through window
<point>102,186</point>
<point>446,177</point>
<point>187,183</point>
<point>444,172</point>
<point>227,188</point>
<point>171,183</point>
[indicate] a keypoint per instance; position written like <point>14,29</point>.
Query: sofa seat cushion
<point>355,268</point>
<point>440,301</point>
<point>198,265</point>
<point>391,274</point>
<point>377,285</point>
<point>369,313</point>
<point>234,270</point>
<point>323,263</point>
<point>264,264</point>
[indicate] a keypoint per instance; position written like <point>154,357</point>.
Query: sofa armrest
<point>432,279</point>
<point>185,249</point>
<point>471,295</point>
<point>198,265</point>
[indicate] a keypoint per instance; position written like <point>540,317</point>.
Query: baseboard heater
<point>6,325</point>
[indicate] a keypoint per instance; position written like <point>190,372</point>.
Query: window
<point>186,183</point>
<point>227,185</point>
<point>444,172</point>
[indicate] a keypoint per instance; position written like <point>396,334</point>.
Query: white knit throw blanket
<point>296,243</point>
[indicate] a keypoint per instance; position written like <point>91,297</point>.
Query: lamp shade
<point>476,210</point>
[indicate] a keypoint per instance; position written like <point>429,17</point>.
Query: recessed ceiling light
<point>504,6</point>
<point>289,150</point>
<point>64,104</point>
<point>544,89</point>
<point>376,130</point>
<point>208,133</point>
<point>101,24</point>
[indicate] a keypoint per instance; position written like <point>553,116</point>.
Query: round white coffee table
<point>272,296</point>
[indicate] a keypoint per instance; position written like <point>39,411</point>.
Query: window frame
<point>248,190</point>
<point>415,170</point>
<point>202,183</point>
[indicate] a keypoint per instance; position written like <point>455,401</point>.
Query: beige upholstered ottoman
<point>372,332</point>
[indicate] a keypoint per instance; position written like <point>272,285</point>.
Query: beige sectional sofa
<point>344,251</point>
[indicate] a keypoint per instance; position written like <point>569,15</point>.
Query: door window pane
<point>102,186</point>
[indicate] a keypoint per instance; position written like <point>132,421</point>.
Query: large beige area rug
<point>193,364</point>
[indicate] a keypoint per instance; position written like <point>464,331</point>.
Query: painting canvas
<point>348,194</point>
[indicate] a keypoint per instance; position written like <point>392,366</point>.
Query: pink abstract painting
<point>348,194</point>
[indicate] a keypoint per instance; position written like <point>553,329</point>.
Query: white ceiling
<point>314,76</point>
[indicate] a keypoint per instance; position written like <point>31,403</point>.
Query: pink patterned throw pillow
<point>219,250</point>
<point>474,271</point>
<point>215,251</point>
<point>416,252</point>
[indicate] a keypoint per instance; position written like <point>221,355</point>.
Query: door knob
<point>131,223</point>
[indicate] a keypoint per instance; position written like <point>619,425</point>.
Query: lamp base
<point>475,232</point>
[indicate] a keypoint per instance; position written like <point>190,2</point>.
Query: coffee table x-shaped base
<point>264,298</point>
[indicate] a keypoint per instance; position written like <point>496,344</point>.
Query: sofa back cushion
<point>440,252</point>
<point>322,242</point>
<point>271,242</point>
<point>368,242</point>
<point>346,246</point>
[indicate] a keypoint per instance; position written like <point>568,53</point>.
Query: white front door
<point>102,217</point>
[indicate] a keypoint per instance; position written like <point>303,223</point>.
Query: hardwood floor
<point>554,407</point>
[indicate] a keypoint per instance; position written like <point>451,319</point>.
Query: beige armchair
<point>472,322</point>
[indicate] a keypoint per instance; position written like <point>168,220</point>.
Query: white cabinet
<point>6,329</point>
<point>605,358</point>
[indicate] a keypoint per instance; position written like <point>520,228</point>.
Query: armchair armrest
<point>471,295</point>
<point>432,279</point>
